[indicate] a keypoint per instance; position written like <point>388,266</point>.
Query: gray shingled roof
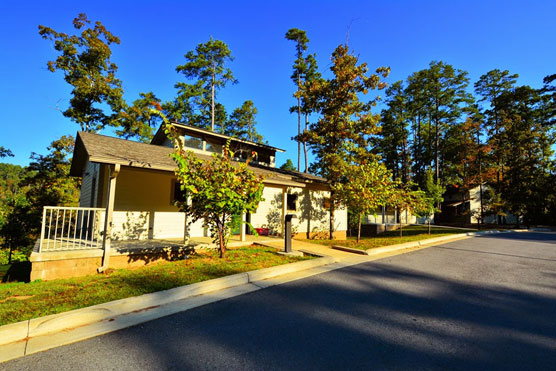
<point>110,150</point>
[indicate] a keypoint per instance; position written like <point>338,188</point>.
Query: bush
<point>17,256</point>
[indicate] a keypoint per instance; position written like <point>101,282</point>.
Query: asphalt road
<point>479,303</point>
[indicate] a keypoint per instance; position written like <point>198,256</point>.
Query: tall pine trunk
<point>305,145</point>
<point>298,122</point>
<point>212,96</point>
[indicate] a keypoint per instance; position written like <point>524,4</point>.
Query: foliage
<point>393,144</point>
<point>5,152</point>
<point>242,122</point>
<point>340,136</point>
<point>217,190</point>
<point>405,198</point>
<point>299,70</point>
<point>84,60</point>
<point>206,66</point>
<point>288,165</point>
<point>525,144</point>
<point>430,199</point>
<point>137,121</point>
<point>366,187</point>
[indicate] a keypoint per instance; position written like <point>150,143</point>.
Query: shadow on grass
<point>16,272</point>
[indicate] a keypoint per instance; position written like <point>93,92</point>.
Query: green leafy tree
<point>366,187</point>
<point>5,152</point>
<point>394,143</point>
<point>84,60</point>
<point>13,208</point>
<point>50,183</point>
<point>217,190</point>
<point>137,120</point>
<point>288,165</point>
<point>489,87</point>
<point>341,133</point>
<point>526,146</point>
<point>432,196</point>
<point>206,65</point>
<point>242,123</point>
<point>405,198</point>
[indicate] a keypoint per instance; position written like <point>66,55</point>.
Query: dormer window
<point>192,142</point>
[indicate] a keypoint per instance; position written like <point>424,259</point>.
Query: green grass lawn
<point>21,301</point>
<point>410,233</point>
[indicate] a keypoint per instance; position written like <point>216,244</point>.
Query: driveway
<point>481,303</point>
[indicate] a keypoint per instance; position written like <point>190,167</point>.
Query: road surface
<point>481,303</point>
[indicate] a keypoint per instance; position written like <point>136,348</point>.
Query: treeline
<point>98,101</point>
<point>501,136</point>
<point>25,190</point>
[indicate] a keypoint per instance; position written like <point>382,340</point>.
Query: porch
<point>73,242</point>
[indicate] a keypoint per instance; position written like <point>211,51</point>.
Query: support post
<point>42,228</point>
<point>383,214</point>
<point>284,209</point>
<point>242,228</point>
<point>288,233</point>
<point>108,217</point>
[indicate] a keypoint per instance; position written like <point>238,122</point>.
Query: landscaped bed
<point>410,233</point>
<point>21,301</point>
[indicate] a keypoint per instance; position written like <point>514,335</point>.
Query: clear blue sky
<point>475,36</point>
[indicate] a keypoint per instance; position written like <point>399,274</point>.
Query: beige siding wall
<point>89,185</point>
<point>144,208</point>
<point>389,217</point>
<point>311,214</point>
<point>269,211</point>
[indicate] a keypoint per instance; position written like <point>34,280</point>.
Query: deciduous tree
<point>137,120</point>
<point>84,60</point>
<point>345,123</point>
<point>366,187</point>
<point>216,189</point>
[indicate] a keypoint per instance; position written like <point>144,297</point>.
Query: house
<point>126,206</point>
<point>384,219</point>
<point>464,207</point>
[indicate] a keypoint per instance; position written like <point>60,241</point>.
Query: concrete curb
<point>38,334</point>
<point>349,249</point>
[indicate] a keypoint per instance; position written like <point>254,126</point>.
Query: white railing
<point>71,228</point>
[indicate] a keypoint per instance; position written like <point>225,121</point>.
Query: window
<point>177,194</point>
<point>213,147</point>
<point>192,142</point>
<point>292,202</point>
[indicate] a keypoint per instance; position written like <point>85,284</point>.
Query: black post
<point>288,233</point>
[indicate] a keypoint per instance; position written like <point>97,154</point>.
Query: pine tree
<point>299,71</point>
<point>206,66</point>
<point>242,122</point>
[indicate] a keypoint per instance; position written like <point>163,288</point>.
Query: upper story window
<point>192,142</point>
